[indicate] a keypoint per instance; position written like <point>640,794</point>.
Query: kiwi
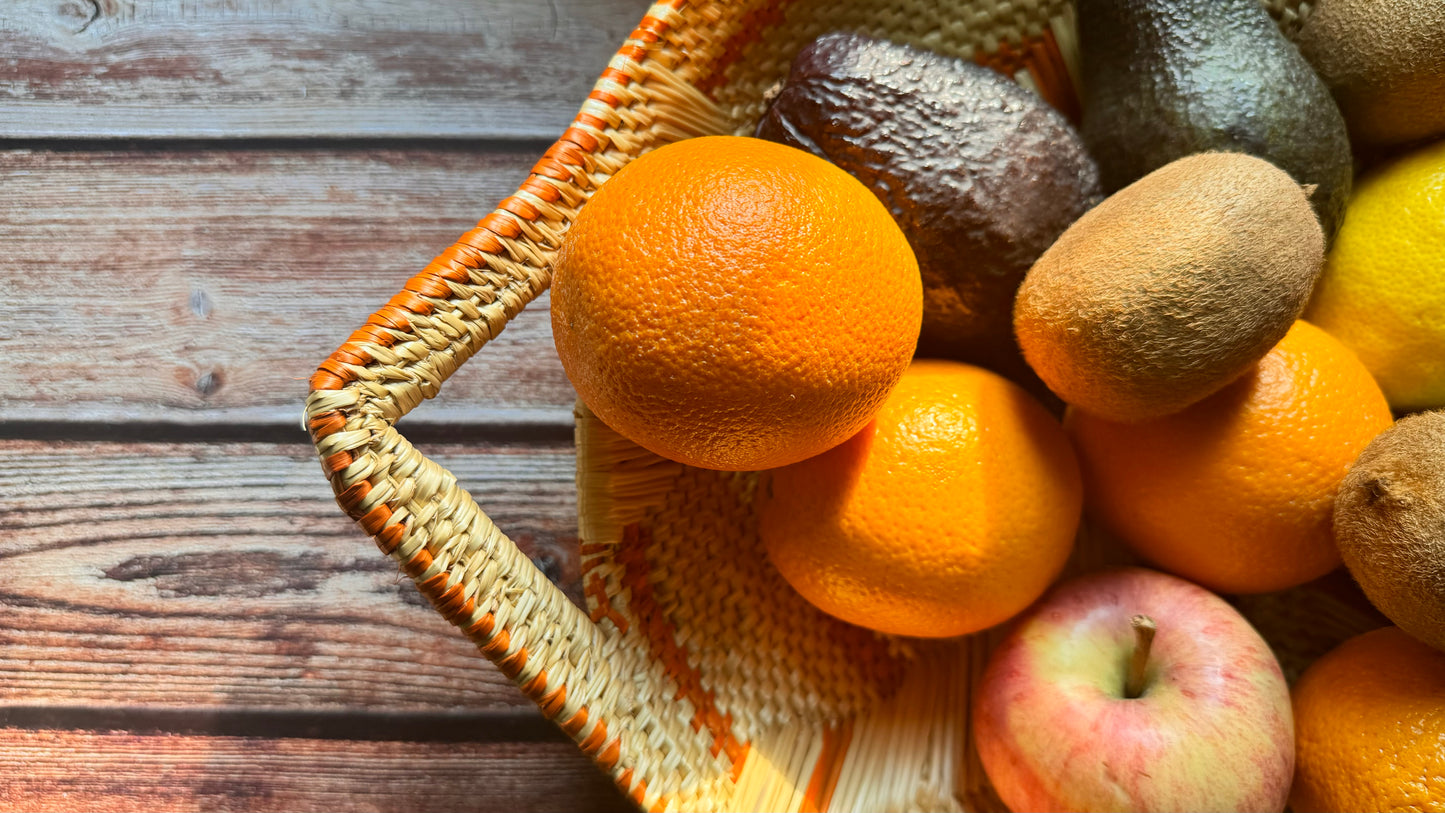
<point>1171,288</point>
<point>1390,524</point>
<point>1384,61</point>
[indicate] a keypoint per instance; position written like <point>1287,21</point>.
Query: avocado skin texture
<point>1168,78</point>
<point>980,174</point>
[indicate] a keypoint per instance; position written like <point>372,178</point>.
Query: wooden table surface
<point>199,200</point>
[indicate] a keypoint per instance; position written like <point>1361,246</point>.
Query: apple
<point>1130,689</point>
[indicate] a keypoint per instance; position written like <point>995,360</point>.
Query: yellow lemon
<point>1383,289</point>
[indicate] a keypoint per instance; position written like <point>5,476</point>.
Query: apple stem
<point>1144,630</point>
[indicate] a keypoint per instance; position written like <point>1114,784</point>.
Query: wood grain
<point>121,772</point>
<point>223,576</point>
<point>432,69</point>
<point>200,288</point>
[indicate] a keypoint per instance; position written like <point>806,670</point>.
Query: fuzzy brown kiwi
<point>1390,524</point>
<point>1171,288</point>
<point>1384,61</point>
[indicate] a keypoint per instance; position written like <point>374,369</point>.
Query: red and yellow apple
<point>1081,707</point>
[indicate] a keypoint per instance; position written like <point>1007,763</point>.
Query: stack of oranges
<point>761,312</point>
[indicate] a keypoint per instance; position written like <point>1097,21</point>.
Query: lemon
<point>1383,289</point>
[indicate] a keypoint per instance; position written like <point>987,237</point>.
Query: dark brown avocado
<point>980,173</point>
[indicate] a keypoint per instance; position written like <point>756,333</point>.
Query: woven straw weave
<point>695,677</point>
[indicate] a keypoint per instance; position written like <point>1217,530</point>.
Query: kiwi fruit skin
<point>1389,524</point>
<point>980,174</point>
<point>1384,61</point>
<point>1171,288</point>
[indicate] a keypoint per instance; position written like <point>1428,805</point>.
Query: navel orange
<point>1370,727</point>
<point>951,512</point>
<point>732,303</point>
<point>1237,491</point>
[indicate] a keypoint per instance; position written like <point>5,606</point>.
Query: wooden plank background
<point>199,199</point>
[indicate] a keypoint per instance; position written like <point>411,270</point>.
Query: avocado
<point>980,174</point>
<point>1168,78</point>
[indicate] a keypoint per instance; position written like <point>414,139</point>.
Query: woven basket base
<point>793,709</point>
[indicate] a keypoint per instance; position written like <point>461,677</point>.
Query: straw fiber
<point>695,677</point>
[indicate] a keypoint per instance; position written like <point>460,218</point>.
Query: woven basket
<point>695,677</point>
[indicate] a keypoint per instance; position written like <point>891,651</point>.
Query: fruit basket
<point>694,676</point>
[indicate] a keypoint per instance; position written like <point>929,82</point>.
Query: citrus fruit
<point>1370,727</point>
<point>1236,492</point>
<point>1382,292</point>
<point>951,512</point>
<point>736,304</point>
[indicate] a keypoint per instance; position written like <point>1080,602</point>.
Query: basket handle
<point>412,506</point>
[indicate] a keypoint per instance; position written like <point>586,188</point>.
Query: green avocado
<point>1168,78</point>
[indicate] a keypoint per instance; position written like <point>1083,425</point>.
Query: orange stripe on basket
<point>502,224</point>
<point>419,563</point>
<point>350,497</point>
<point>543,191</point>
<point>551,703</point>
<point>390,316</point>
<point>614,75</point>
<point>482,627</point>
<point>324,380</point>
<point>520,208</point>
<point>591,744</point>
<point>596,589</point>
<point>760,18</point>
<point>390,537</point>
<point>662,640</point>
<point>451,603</point>
<point>650,29</point>
<point>513,664</point>
<point>609,756</point>
<point>338,461</point>
<point>573,725</point>
<point>370,333</point>
<point>824,778</point>
<point>498,645</point>
<point>411,303</point>
<point>427,284</point>
<point>326,423</point>
<point>534,687</point>
<point>349,353</point>
<point>636,53</point>
<point>481,239</point>
<point>330,375</point>
<point>639,793</point>
<point>581,138</point>
<point>374,520</point>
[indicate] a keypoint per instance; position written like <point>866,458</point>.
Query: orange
<point>1370,727</point>
<point>950,513</point>
<point>736,304</point>
<point>1237,491</point>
